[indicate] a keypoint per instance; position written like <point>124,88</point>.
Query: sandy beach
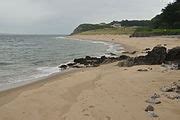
<point>108,92</point>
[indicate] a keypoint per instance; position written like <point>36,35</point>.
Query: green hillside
<point>112,31</point>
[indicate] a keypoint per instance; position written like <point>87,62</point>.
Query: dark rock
<point>95,61</point>
<point>63,67</point>
<point>80,60</point>
<point>134,52</point>
<point>71,64</point>
<point>154,57</point>
<point>142,70</point>
<point>173,54</point>
<point>147,49</point>
<point>149,108</point>
<point>123,57</point>
<point>165,44</point>
<point>88,58</point>
<point>103,58</point>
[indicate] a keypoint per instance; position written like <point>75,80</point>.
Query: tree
<point>169,18</point>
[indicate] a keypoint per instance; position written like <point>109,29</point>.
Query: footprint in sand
<point>108,118</point>
<point>91,106</point>
<point>86,114</point>
<point>84,110</point>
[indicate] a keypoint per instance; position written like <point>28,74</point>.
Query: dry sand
<point>107,92</point>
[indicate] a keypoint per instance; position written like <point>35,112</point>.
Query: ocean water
<point>26,57</point>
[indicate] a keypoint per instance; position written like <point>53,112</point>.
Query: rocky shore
<point>159,55</point>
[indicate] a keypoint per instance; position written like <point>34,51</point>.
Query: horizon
<point>54,17</point>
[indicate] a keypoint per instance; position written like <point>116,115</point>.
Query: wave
<point>112,47</point>
<point>46,71</point>
<point>5,63</point>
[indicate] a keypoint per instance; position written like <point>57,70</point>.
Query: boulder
<point>71,64</point>
<point>142,70</point>
<point>147,49</point>
<point>123,57</point>
<point>154,57</point>
<point>173,54</point>
<point>149,108</point>
<point>63,67</point>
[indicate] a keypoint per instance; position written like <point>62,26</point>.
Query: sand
<point>107,92</point>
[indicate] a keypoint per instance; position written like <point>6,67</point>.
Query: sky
<point>62,16</point>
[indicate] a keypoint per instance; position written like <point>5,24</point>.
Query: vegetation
<point>125,27</point>
<point>166,23</point>
<point>112,31</point>
<point>131,23</point>
<point>169,18</point>
<point>87,27</point>
<point>146,32</point>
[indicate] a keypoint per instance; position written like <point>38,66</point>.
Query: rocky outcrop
<point>154,57</point>
<point>173,58</point>
<point>173,54</point>
<point>93,61</point>
<point>157,56</point>
<point>89,61</point>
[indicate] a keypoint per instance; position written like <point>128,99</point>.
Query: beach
<point>108,92</point>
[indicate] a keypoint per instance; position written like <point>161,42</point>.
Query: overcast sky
<point>62,16</point>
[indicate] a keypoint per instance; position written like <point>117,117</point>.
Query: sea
<point>24,58</point>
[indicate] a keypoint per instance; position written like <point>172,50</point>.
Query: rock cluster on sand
<point>171,91</point>
<point>157,56</point>
<point>149,108</point>
<point>153,100</point>
<point>89,61</point>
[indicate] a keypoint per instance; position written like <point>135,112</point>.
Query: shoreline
<point>106,92</point>
<point>132,44</point>
<point>51,75</point>
<point>35,80</point>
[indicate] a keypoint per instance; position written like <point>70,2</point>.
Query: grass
<point>111,31</point>
<point>145,32</point>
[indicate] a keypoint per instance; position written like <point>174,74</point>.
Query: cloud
<point>61,16</point>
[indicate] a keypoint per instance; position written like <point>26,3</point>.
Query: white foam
<point>46,71</point>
